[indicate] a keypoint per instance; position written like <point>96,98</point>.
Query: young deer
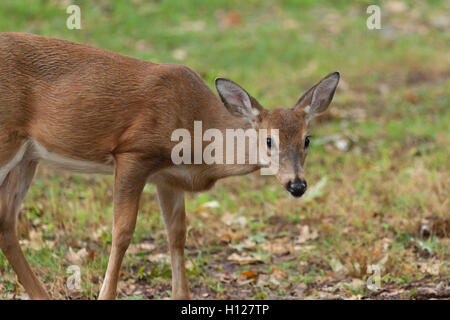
<point>90,110</point>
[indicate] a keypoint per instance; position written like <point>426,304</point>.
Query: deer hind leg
<point>14,185</point>
<point>173,208</point>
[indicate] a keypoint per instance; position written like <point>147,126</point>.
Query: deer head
<point>293,141</point>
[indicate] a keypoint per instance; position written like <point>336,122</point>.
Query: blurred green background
<point>378,165</point>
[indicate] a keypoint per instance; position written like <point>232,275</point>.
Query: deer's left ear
<point>317,99</point>
<point>238,101</point>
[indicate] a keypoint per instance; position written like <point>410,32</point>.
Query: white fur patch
<point>61,162</point>
<point>307,109</point>
<point>255,112</point>
<point>10,165</point>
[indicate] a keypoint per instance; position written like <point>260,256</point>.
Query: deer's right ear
<point>238,101</point>
<point>317,99</point>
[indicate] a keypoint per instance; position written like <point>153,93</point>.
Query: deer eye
<point>307,142</point>
<point>269,142</point>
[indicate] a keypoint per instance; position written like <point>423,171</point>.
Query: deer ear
<point>317,99</point>
<point>238,101</point>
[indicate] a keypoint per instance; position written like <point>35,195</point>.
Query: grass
<point>392,107</point>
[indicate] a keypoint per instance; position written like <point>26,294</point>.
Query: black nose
<point>296,188</point>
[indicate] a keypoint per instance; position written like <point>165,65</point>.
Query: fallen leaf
<point>303,248</point>
<point>92,255</point>
<point>77,257</point>
<point>159,257</point>
<point>246,244</point>
<point>357,284</point>
<point>338,267</point>
<point>210,204</point>
<point>36,241</point>
<point>306,235</point>
<point>249,274</point>
<point>225,237</point>
<point>338,142</point>
<point>143,247</point>
<point>279,274</point>
<point>263,279</point>
<point>189,265</point>
<point>301,289</point>
<point>412,97</point>
<point>278,247</point>
<point>99,233</point>
<point>226,277</point>
<point>232,219</point>
<point>244,260</point>
<point>430,268</point>
<point>229,19</point>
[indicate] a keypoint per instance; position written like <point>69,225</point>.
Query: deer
<point>75,107</point>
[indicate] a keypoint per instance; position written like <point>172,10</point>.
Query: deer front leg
<point>130,179</point>
<point>173,210</point>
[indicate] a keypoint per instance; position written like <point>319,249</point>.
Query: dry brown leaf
<point>244,260</point>
<point>229,19</point>
<point>98,233</point>
<point>225,237</point>
<point>263,280</point>
<point>226,277</point>
<point>357,284</point>
<point>303,248</point>
<point>210,204</point>
<point>189,265</point>
<point>306,234</point>
<point>143,247</point>
<point>36,241</point>
<point>232,219</point>
<point>278,247</point>
<point>430,268</point>
<point>245,244</point>
<point>159,257</point>
<point>412,97</point>
<point>338,267</point>
<point>279,274</point>
<point>249,274</point>
<point>77,257</point>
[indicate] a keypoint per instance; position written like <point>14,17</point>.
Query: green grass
<point>393,101</point>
